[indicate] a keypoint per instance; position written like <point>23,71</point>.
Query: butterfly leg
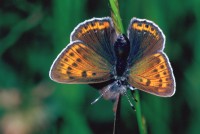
<point>132,93</point>
<point>104,90</point>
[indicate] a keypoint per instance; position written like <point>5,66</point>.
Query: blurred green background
<point>33,32</point>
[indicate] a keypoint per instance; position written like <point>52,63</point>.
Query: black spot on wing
<point>84,74</point>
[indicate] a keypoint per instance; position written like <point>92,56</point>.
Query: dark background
<point>33,32</point>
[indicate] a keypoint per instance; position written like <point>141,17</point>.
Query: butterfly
<point>113,62</point>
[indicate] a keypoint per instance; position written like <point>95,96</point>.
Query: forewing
<point>153,74</point>
<point>99,34</point>
<point>78,63</point>
<point>145,37</point>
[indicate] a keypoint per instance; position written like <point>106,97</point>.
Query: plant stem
<point>118,25</point>
<point>140,119</point>
<point>116,16</point>
<point>116,128</point>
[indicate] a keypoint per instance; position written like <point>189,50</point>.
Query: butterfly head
<point>111,91</point>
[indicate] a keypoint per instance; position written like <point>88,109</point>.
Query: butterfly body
<point>118,85</point>
<point>122,50</point>
<point>111,62</point>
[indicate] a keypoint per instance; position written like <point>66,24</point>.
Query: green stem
<point>140,119</point>
<point>116,16</point>
<point>118,25</point>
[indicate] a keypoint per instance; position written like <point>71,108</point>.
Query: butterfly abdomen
<point>122,50</point>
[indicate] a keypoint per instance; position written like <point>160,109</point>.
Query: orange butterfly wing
<point>89,58</point>
<point>145,37</point>
<point>150,70</point>
<point>153,74</point>
<point>78,63</point>
<point>98,34</point>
